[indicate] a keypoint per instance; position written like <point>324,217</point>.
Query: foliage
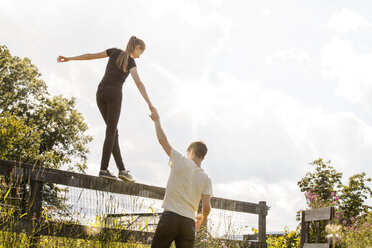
<point>323,181</point>
<point>324,189</point>
<point>313,200</point>
<point>59,129</point>
<point>206,238</point>
<point>35,127</point>
<point>18,140</point>
<point>99,235</point>
<point>21,89</point>
<point>353,196</point>
<point>288,240</point>
<point>358,233</point>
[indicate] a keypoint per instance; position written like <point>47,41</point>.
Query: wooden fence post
<point>34,209</point>
<point>36,198</point>
<point>262,224</point>
<point>304,230</point>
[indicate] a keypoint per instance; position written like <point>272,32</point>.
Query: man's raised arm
<point>160,133</point>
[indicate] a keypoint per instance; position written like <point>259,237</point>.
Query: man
<point>187,184</point>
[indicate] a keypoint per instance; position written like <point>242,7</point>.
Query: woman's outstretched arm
<point>141,87</point>
<point>87,56</point>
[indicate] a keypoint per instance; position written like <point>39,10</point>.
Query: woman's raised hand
<point>62,59</point>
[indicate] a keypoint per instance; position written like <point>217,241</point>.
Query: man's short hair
<point>199,147</point>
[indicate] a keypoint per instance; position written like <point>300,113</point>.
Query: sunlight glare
<point>196,99</point>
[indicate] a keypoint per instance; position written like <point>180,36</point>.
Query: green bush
<point>358,233</point>
<point>288,240</point>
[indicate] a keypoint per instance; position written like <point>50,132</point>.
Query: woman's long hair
<point>122,60</point>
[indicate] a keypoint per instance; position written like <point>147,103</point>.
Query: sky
<point>269,86</point>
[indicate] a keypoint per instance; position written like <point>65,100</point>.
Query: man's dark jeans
<point>171,227</point>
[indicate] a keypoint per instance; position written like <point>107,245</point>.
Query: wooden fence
<point>37,176</point>
<point>315,215</point>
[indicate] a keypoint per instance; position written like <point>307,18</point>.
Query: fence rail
<point>36,176</point>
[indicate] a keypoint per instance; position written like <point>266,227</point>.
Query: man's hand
<point>206,209</point>
<point>199,221</point>
<point>151,107</point>
<point>155,115</point>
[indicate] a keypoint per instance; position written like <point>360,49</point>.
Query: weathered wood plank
<point>67,178</point>
<point>73,179</point>
<point>233,205</point>
<point>307,245</point>
<point>36,199</point>
<point>254,237</point>
<point>304,230</point>
<point>318,214</point>
<point>262,225</point>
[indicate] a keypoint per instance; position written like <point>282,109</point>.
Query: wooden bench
<point>315,215</point>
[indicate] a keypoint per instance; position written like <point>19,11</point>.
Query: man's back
<point>186,184</point>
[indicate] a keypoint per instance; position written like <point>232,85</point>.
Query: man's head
<point>198,148</point>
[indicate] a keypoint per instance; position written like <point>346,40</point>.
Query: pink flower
<point>333,194</point>
<point>336,198</point>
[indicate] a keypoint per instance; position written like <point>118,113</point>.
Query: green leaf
<point>7,193</point>
<point>23,215</point>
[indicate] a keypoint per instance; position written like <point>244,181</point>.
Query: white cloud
<point>217,2</point>
<point>264,133</point>
<point>346,21</point>
<point>191,12</point>
<point>265,12</point>
<point>270,132</point>
<point>349,69</point>
<point>286,55</point>
<point>262,141</point>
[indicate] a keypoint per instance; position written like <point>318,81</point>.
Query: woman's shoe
<point>125,176</point>
<point>107,174</point>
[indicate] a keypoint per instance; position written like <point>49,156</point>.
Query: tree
<point>60,128</point>
<point>324,188</point>
<point>323,181</point>
<point>353,196</point>
<point>36,127</point>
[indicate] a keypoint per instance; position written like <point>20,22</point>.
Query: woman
<point>109,97</point>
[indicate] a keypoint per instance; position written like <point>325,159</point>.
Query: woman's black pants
<point>109,104</point>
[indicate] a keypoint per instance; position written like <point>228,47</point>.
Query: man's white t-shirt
<point>186,185</point>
